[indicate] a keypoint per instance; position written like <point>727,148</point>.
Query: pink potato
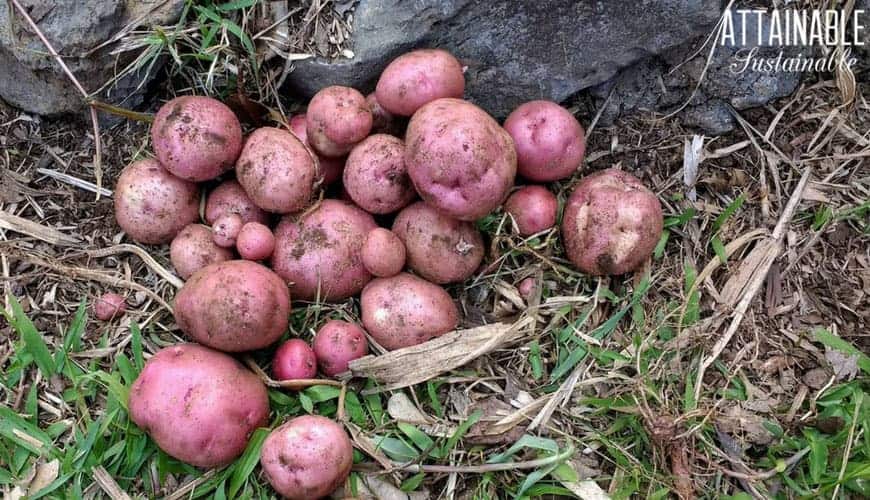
<point>612,223</point>
<point>255,241</point>
<point>338,118</point>
<point>550,142</point>
<point>375,176</point>
<point>419,77</point>
<point>533,209</point>
<point>336,344</point>
<point>330,168</point>
<point>230,198</point>
<point>196,138</point>
<point>226,229</point>
<point>306,458</point>
<point>440,248</point>
<point>527,288</point>
<point>459,159</point>
<point>404,310</point>
<point>383,122</point>
<point>277,171</point>
<point>194,248</point>
<point>199,405</point>
<point>383,253</point>
<point>151,205</point>
<point>294,360</point>
<point>109,306</point>
<point>320,255</point>
<point>233,306</point>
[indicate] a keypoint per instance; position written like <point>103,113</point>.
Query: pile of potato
<point>414,156</point>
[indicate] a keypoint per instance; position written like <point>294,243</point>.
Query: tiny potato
<point>255,241</point>
<point>383,253</point>
<point>294,360</point>
<point>375,176</point>
<point>419,77</point>
<point>533,209</point>
<point>336,344</point>
<point>550,142</point>
<point>338,118</point>
<point>226,229</point>
<point>109,306</point>
<point>230,198</point>
<point>194,248</point>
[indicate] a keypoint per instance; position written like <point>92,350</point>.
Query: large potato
<point>550,142</point>
<point>199,405</point>
<point>419,77</point>
<point>194,248</point>
<point>375,176</point>
<point>196,138</point>
<point>330,168</point>
<point>233,306</point>
<point>611,224</point>
<point>439,248</point>
<point>459,159</point>
<point>151,205</point>
<point>338,118</point>
<point>405,310</point>
<point>307,458</point>
<point>277,171</point>
<point>320,255</point>
<point>230,198</point>
<point>533,209</point>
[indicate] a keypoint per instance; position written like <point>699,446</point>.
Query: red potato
<point>199,405</point>
<point>233,306</point>
<point>330,168</point>
<point>277,171</point>
<point>194,248</point>
<point>151,205</point>
<point>550,142</point>
<point>230,197</point>
<point>383,253</point>
<point>196,138</point>
<point>306,458</point>
<point>440,248</point>
<point>612,223</point>
<point>527,288</point>
<point>109,306</point>
<point>533,209</point>
<point>226,229</point>
<point>459,159</point>
<point>375,176</point>
<point>255,241</point>
<point>338,118</point>
<point>336,344</point>
<point>383,122</point>
<point>405,310</point>
<point>320,255</point>
<point>294,360</point>
<point>419,77</point>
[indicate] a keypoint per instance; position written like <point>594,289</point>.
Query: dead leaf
<point>373,487</point>
<point>845,366</point>
<point>46,473</point>
<point>487,430</point>
<point>816,378</point>
<point>739,422</point>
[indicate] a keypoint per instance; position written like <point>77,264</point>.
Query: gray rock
<point>33,81</point>
<point>515,50</point>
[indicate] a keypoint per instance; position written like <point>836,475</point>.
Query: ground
<point>600,394</point>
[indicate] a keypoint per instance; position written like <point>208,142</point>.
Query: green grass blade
<point>33,341</point>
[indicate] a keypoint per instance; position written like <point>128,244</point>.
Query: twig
<point>142,254</point>
<point>287,384</point>
<point>761,476</point>
<point>108,484</point>
<point>74,181</point>
<point>483,469</point>
<point>848,451</point>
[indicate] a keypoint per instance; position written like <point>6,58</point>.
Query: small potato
<point>527,288</point>
<point>405,310</point>
<point>459,159</point>
<point>320,255</point>
<point>440,248</point>
<point>193,249</point>
<point>336,344</point>
<point>338,118</point>
<point>294,360</point>
<point>383,122</point>
<point>230,197</point>
<point>330,168</point>
<point>109,306</point>
<point>226,230</point>
<point>612,223</point>
<point>383,253</point>
<point>151,205</point>
<point>199,405</point>
<point>196,138</point>
<point>306,458</point>
<point>255,241</point>
<point>233,306</point>
<point>417,78</point>
<point>550,142</point>
<point>533,209</point>
<point>375,176</point>
<point>277,171</point>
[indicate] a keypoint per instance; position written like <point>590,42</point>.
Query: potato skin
<point>307,457</point>
<point>375,176</point>
<point>226,229</point>
<point>294,360</point>
<point>199,405</point>
<point>459,159</point>
<point>196,138</point>
<point>330,168</point>
<point>233,306</point>
<point>277,171</point>
<point>230,197</point>
<point>441,249</point>
<point>550,142</point>
<point>193,249</point>
<point>109,306</point>
<point>405,310</point>
<point>255,241</point>
<point>338,118</point>
<point>151,205</point>
<point>611,224</point>
<point>336,344</point>
<point>533,209</point>
<point>323,250</point>
<point>383,253</point>
<point>419,77</point>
